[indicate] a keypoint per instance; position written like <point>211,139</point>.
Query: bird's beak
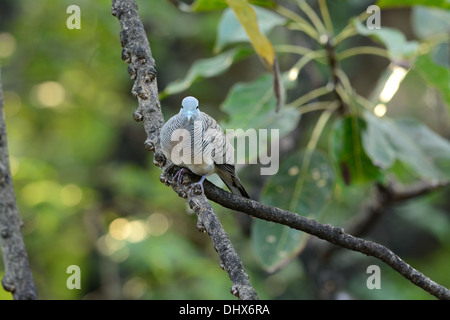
<point>189,116</point>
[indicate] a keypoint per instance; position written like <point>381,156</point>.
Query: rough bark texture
<point>18,278</point>
<point>136,51</point>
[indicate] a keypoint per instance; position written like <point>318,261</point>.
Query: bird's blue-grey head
<point>189,110</point>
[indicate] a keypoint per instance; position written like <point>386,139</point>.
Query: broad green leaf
<point>428,22</point>
<point>249,21</point>
<point>376,141</point>
<point>231,31</point>
<point>444,4</point>
<point>303,185</point>
<point>398,47</point>
<point>204,68</point>
<point>434,150</point>
<point>436,75</point>
<point>416,147</point>
<point>385,143</point>
<point>275,244</point>
<point>251,106</point>
<point>243,22</point>
<point>348,153</point>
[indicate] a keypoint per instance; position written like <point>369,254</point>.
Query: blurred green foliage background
<point>89,194</point>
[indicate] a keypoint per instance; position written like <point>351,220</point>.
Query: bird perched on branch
<point>193,140</point>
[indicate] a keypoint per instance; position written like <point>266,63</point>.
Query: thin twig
<point>350,30</point>
<point>384,197</point>
<point>299,23</point>
<point>313,94</point>
<point>333,64</point>
<point>314,106</point>
<point>289,48</point>
<point>326,16</point>
<point>362,50</point>
<point>137,52</point>
<point>319,26</point>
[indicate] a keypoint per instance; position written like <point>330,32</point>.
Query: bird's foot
<point>199,183</point>
<point>179,175</point>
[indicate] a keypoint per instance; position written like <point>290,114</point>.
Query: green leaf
<point>275,244</point>
<point>209,5</point>
<point>415,146</point>
<point>376,141</point>
<point>348,153</point>
<point>248,19</point>
<point>231,31</point>
<point>204,68</point>
<point>244,22</point>
<point>394,40</point>
<point>436,75</point>
<point>444,4</point>
<point>427,22</point>
<point>303,185</point>
<point>251,106</point>
<point>205,5</point>
<point>434,150</point>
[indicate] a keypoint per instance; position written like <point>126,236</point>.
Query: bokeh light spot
<point>7,44</point>
<point>157,224</point>
<point>71,195</point>
<point>50,94</point>
<point>120,229</point>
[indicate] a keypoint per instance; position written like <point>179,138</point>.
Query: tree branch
<point>18,278</point>
<point>316,254</point>
<point>335,81</point>
<point>334,235</point>
<point>137,52</point>
<point>384,197</point>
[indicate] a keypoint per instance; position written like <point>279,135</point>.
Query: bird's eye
<point>197,108</point>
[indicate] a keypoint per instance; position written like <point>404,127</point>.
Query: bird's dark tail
<point>234,184</point>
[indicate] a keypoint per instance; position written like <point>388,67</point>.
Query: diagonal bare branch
<point>332,234</point>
